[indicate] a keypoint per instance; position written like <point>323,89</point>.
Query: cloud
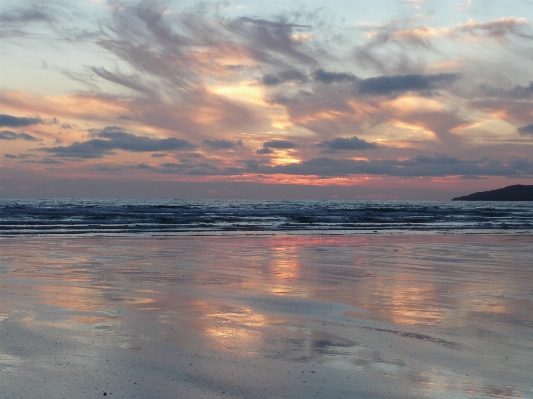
<point>352,143</point>
<point>222,144</point>
<point>389,46</point>
<point>526,130</point>
<point>279,144</point>
<point>522,92</point>
<point>15,121</point>
<point>9,135</point>
<point>276,144</point>
<point>44,161</point>
<point>181,49</point>
<point>516,93</point>
<point>19,156</point>
<point>264,151</point>
<point>442,124</point>
<point>497,28</point>
<point>24,15</point>
<point>333,77</point>
<point>416,166</point>
<point>113,138</point>
<point>268,40</point>
<point>13,20</point>
<point>144,166</point>
<point>350,107</point>
<point>385,85</point>
<point>284,76</point>
<point>182,168</point>
<point>133,82</point>
<point>105,168</point>
<point>398,31</point>
<point>517,112</point>
<point>252,164</point>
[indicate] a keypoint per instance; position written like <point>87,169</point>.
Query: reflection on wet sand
<point>436,316</point>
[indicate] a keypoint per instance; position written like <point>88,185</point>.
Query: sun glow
<point>413,104</point>
<point>245,91</point>
<point>415,128</point>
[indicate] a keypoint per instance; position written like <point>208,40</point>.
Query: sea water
<point>169,217</point>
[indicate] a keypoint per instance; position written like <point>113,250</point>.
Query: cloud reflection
<point>415,310</point>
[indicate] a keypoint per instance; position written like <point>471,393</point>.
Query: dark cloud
<point>385,85</point>
<point>105,168</point>
<point>264,151</point>
<point>113,138</point>
<point>25,15</point>
<point>279,144</point>
<point>133,82</point>
<point>253,164</point>
<point>222,144</point>
<point>333,77</point>
<point>352,143</point>
<point>522,91</point>
<point>182,168</point>
<point>9,135</point>
<point>144,166</point>
<point>17,20</point>
<point>267,40</point>
<point>176,165</point>
<point>516,93</point>
<point>526,130</point>
<point>159,155</point>
<point>194,155</point>
<point>15,121</point>
<point>417,166</point>
<point>76,34</point>
<point>44,161</point>
<point>20,156</point>
<point>284,76</point>
<point>276,144</point>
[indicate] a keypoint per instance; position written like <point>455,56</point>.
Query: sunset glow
<point>325,94</point>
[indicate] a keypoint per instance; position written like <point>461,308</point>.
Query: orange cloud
<point>78,106</point>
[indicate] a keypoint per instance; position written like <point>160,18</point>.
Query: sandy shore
<point>436,316</point>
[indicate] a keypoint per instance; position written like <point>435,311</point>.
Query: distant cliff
<point>518,192</point>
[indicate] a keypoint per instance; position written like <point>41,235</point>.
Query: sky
<point>392,99</point>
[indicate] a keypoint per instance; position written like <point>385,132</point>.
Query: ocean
<point>173,217</point>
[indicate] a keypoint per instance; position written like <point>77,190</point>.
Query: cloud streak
<point>347,144</point>
<point>217,145</point>
<point>526,130</point>
<point>277,145</point>
<point>385,85</point>
<point>416,166</point>
<point>15,121</point>
<point>9,135</point>
<point>112,138</point>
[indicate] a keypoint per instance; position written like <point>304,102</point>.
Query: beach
<point>299,316</point>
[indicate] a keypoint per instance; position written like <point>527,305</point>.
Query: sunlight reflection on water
<point>434,315</point>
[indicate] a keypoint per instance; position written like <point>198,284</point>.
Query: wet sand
<point>403,316</point>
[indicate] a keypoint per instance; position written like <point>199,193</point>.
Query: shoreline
<point>245,234</point>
